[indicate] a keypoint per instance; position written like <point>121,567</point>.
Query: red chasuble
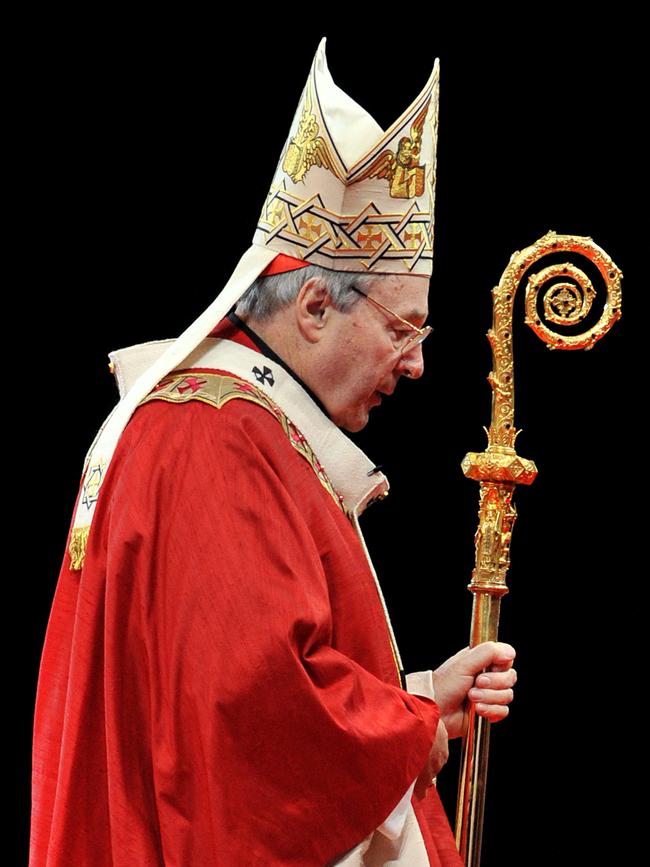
<point>217,685</point>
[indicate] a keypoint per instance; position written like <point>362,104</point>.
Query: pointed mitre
<point>346,195</point>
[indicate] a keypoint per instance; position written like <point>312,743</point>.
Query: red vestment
<point>217,684</point>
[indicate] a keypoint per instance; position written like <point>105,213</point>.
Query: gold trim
<point>77,547</point>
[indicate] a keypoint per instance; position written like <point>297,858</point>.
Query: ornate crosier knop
<point>566,294</point>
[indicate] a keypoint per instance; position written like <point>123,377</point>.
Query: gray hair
<point>266,295</point>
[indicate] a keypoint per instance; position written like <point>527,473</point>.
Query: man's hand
<point>483,674</point>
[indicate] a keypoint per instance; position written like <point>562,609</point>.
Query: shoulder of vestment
<point>250,409</point>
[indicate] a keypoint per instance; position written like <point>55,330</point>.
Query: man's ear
<point>313,307</point>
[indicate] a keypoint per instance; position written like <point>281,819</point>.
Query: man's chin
<point>354,425</point>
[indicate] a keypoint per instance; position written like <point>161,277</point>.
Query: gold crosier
<point>566,300</point>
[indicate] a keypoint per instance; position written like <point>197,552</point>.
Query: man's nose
<point>411,363</point>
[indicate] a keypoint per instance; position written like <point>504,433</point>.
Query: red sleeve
<point>268,745</point>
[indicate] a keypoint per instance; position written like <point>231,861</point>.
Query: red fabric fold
<point>283,263</point>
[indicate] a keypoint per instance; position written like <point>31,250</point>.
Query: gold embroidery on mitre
<point>401,168</point>
<point>77,547</point>
<point>275,210</point>
<point>216,389</point>
<point>306,148</point>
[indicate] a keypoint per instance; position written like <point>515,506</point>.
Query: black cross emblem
<point>263,376</point>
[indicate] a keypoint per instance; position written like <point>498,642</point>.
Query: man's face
<point>363,365</point>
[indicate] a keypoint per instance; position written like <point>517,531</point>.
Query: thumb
<point>490,655</point>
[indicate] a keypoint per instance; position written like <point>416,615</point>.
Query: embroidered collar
<point>266,350</point>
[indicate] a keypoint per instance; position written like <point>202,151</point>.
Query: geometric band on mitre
<point>348,195</point>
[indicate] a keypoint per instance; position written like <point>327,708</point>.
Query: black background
<point>146,148</point>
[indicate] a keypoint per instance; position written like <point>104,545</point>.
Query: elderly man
<point>220,681</point>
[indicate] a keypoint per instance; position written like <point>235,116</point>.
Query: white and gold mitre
<point>348,196</point>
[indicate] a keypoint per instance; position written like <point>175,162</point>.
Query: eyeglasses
<point>413,339</point>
